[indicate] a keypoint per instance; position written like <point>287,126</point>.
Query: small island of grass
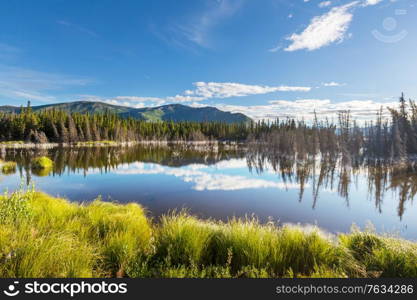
<point>42,162</point>
<point>8,167</point>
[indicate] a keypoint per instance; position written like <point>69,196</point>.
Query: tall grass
<point>42,236</point>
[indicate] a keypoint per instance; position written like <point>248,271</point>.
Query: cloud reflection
<point>207,178</point>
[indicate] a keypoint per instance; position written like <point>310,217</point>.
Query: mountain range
<point>170,112</point>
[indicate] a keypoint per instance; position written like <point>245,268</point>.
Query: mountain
<point>171,112</point>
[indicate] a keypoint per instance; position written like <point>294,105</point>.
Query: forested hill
<point>171,112</point>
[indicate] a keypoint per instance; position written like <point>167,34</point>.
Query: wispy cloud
<point>8,51</point>
<point>324,30</point>
<point>332,84</point>
<point>202,91</point>
<point>204,180</point>
<point>331,27</point>
<point>325,4</point>
<point>361,110</point>
<point>197,29</point>
<point>372,2</point>
<point>20,83</point>
<point>209,90</point>
<point>77,27</point>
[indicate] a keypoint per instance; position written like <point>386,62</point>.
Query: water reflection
<point>252,178</point>
<point>107,159</point>
<point>329,173</point>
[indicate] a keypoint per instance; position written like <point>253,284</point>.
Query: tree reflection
<point>338,174</point>
<point>320,173</point>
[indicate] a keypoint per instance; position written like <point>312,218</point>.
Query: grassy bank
<point>42,236</point>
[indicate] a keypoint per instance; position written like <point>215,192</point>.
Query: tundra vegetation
<point>42,236</point>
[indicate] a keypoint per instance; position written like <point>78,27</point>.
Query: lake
<point>221,184</point>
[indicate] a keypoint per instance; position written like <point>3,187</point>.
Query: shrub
<point>39,254</point>
<point>122,231</point>
<point>15,207</point>
<point>42,162</point>
<point>8,167</point>
<point>382,256</point>
<point>183,239</point>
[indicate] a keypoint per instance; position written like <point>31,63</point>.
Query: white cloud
<point>184,98</point>
<point>371,2</point>
<point>30,96</point>
<point>230,89</point>
<point>361,110</point>
<point>332,84</point>
<point>202,91</point>
<point>324,30</point>
<point>140,100</point>
<point>204,179</point>
<point>325,4</point>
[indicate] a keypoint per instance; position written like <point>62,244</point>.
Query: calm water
<point>224,184</point>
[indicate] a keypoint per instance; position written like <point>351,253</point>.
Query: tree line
<point>57,126</point>
<point>393,138</point>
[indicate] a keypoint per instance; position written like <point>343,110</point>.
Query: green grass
<point>8,167</point>
<point>43,236</point>
<point>42,162</point>
<point>97,143</point>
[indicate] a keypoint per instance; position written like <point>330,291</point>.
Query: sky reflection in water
<point>223,186</point>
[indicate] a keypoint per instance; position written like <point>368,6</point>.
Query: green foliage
<point>183,239</point>
<point>28,252</point>
<point>15,207</point>
<point>382,256</point>
<point>80,122</point>
<point>239,243</point>
<point>8,167</point>
<point>71,123</point>
<point>42,236</point>
<point>42,162</point>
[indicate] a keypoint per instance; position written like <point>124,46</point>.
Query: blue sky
<point>265,58</point>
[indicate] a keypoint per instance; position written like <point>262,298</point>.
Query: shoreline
<point>211,146</point>
<point>198,144</point>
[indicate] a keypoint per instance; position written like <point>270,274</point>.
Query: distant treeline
<point>61,127</point>
<point>393,139</point>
